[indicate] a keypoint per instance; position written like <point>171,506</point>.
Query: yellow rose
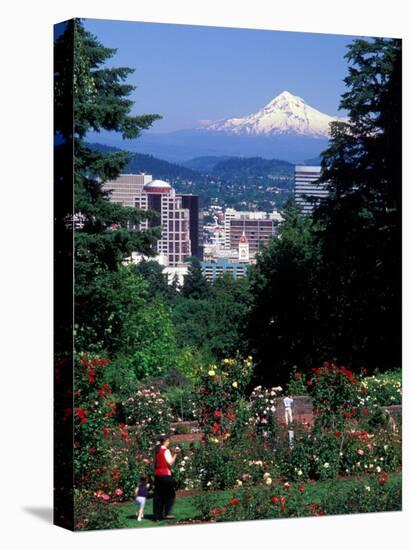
<point>211,373</point>
<point>234,384</point>
<point>214,440</point>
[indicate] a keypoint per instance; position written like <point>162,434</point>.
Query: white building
<point>308,191</point>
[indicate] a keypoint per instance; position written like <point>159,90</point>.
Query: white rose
<point>326,465</point>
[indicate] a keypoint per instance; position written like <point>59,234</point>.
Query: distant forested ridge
<point>249,183</point>
<point>149,164</point>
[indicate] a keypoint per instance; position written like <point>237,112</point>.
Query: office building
<point>193,204</point>
<point>308,191</point>
<point>258,228</point>
<point>217,268</point>
<point>142,192</point>
<point>126,187</point>
<point>160,197</point>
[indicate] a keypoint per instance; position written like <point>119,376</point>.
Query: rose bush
<point>148,414</point>
<point>262,409</point>
<point>383,389</point>
<point>334,390</point>
<point>219,389</point>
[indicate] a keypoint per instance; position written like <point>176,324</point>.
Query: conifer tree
<point>195,284</point>
<point>105,233</point>
<point>360,223</point>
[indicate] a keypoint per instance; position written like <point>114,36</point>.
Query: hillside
<point>148,164</point>
<point>252,167</point>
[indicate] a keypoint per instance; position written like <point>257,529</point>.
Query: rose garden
<point>317,318</point>
<point>239,459</point>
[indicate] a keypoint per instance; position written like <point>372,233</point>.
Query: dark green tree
<point>281,329</point>
<point>157,280</point>
<point>105,232</point>
<point>230,299</point>
<point>195,285</point>
<point>359,225</point>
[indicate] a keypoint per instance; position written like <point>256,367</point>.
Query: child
<point>141,496</point>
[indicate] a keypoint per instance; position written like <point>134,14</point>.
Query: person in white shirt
<point>288,402</point>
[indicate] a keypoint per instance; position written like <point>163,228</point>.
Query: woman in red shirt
<point>164,484</point>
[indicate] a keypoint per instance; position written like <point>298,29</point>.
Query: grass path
<point>185,510</point>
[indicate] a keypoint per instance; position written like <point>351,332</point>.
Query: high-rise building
<point>308,191</point>
<point>159,196</point>
<point>258,228</point>
<point>230,213</point>
<point>126,187</point>
<point>193,204</point>
<point>257,231</point>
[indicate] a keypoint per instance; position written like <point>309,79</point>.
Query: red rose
<point>286,485</point>
<point>275,500</point>
<point>301,488</point>
<point>234,501</point>
<point>383,479</point>
<point>338,434</point>
<point>81,413</point>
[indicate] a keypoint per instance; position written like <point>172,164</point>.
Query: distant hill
<point>203,164</point>
<point>182,145</point>
<point>313,162</point>
<point>148,164</point>
<point>252,167</point>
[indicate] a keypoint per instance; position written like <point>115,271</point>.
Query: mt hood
<point>285,114</point>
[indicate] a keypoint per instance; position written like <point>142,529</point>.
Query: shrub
<point>149,413</point>
<point>370,495</point>
<point>262,408</point>
<point>383,389</point>
<point>297,383</point>
<point>91,511</point>
<point>220,387</point>
<point>335,395</point>
<point>182,404</point>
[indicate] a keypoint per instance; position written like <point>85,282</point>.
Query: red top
<point>161,464</point>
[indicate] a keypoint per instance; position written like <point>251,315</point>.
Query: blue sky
<point>189,73</point>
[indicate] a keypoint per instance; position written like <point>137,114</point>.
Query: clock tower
<point>244,255</point>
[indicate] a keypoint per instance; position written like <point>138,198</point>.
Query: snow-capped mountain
<point>285,114</point>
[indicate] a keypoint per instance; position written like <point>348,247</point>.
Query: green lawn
<point>185,510</point>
